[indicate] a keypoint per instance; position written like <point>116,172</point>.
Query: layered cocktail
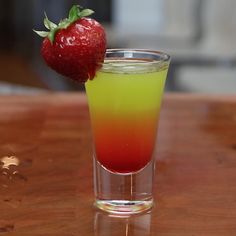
<point>124,101</point>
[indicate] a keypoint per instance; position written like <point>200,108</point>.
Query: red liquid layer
<point>125,144</point>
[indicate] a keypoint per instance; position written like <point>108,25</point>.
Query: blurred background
<point>200,36</point>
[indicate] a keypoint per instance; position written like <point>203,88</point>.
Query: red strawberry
<point>76,46</point>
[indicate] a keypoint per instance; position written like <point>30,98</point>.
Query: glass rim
<point>135,60</point>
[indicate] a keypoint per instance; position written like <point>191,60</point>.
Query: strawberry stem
<point>75,13</point>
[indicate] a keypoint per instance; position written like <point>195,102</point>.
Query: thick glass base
<point>123,207</point>
<point>123,194</point>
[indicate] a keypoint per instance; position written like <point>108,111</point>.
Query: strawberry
<point>76,46</point>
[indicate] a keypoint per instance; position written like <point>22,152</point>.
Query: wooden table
<point>46,169</point>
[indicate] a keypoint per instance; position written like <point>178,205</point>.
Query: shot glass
<point>124,103</point>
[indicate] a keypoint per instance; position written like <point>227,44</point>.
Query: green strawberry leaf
<point>49,24</point>
<point>86,12</point>
<point>51,35</point>
<point>64,23</point>
<point>41,33</point>
<point>75,13</point>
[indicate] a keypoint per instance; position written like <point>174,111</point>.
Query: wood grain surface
<point>46,169</point>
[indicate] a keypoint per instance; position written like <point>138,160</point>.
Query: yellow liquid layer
<point>125,93</point>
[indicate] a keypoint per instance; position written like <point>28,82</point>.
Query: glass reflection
<point>110,225</point>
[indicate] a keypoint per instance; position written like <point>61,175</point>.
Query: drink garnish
<point>76,46</point>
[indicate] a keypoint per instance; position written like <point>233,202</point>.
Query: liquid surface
<point>124,109</point>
